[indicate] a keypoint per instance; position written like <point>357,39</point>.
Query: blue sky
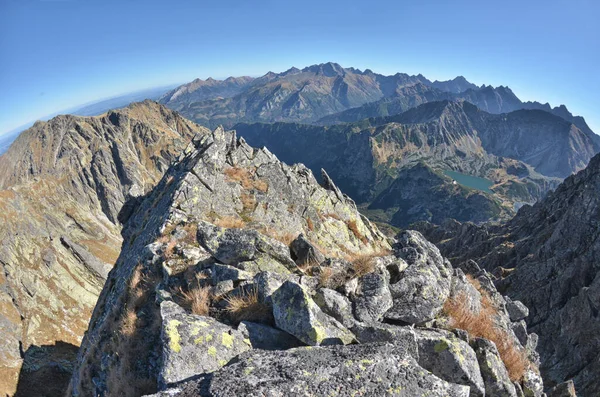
<point>56,54</point>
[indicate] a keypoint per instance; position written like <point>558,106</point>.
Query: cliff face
<point>241,275</point>
<point>547,256</point>
<point>64,183</point>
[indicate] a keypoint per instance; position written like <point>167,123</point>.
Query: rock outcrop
<point>241,275</point>
<point>547,258</point>
<point>65,183</point>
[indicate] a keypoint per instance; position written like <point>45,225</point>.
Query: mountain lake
<point>473,182</point>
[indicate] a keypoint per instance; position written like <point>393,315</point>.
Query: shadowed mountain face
<point>64,184</point>
<point>523,153</point>
<point>548,257</point>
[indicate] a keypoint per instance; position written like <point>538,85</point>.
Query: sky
<point>57,54</point>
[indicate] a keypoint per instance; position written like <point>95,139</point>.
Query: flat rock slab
<point>354,370</point>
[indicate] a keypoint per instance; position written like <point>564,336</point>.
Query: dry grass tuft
<point>248,202</point>
<point>169,249</point>
<point>128,322</point>
<point>247,307</point>
<point>246,178</point>
<point>197,299</point>
<point>482,325</point>
<point>283,237</point>
<point>325,277</point>
<point>354,229</point>
<point>191,229</point>
<point>230,222</point>
<point>363,264</point>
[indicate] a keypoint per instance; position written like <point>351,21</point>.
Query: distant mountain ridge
<point>329,93</point>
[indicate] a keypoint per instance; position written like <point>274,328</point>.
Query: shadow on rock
<point>46,370</point>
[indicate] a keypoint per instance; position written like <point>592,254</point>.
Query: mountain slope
<point>522,153</point>
<point>547,256</point>
<point>64,183</point>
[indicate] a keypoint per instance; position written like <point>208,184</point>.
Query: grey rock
<point>373,369</point>
<point>493,371</point>
<point>193,345</point>
<point>262,336</point>
<point>520,330</point>
<point>565,389</point>
<point>381,332</point>
<point>336,305</point>
<point>516,310</point>
<point>296,313</point>
<point>305,252</point>
<point>232,246</point>
<point>266,283</point>
<point>424,286</point>
<point>533,386</point>
<point>449,358</point>
<point>372,298</point>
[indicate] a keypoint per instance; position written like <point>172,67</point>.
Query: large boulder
<point>373,298</point>
<point>336,305</point>
<point>296,313</point>
<point>193,345</point>
<point>449,358</point>
<point>368,370</point>
<point>233,245</point>
<point>495,376</point>
<point>423,287</point>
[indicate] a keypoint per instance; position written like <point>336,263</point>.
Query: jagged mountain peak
<point>329,69</point>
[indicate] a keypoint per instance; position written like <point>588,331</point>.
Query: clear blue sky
<point>56,54</point>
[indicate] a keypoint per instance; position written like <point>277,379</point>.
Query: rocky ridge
<point>241,275</point>
<point>65,183</point>
<point>547,257</point>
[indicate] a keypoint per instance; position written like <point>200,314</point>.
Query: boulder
<point>451,359</point>
<point>193,345</point>
<point>296,313</point>
<point>305,252</point>
<point>494,373</point>
<point>424,285</point>
<point>533,386</point>
<point>380,332</point>
<point>262,336</point>
<point>372,298</point>
<point>336,305</point>
<point>565,389</point>
<point>516,310</point>
<point>232,246</point>
<point>368,370</point>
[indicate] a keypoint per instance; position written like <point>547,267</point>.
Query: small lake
<point>470,181</point>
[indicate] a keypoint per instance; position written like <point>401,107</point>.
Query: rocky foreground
<point>240,275</point>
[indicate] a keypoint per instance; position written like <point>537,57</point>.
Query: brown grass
<point>197,299</point>
<point>363,264</point>
<point>246,178</point>
<point>248,202</point>
<point>354,229</point>
<point>191,229</point>
<point>325,277</point>
<point>128,322</point>
<point>309,224</point>
<point>332,216</point>
<point>283,237</point>
<point>169,249</point>
<point>230,222</point>
<point>247,307</point>
<point>482,325</point>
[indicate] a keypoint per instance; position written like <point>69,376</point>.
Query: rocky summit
<point>547,257</point>
<point>241,275</point>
